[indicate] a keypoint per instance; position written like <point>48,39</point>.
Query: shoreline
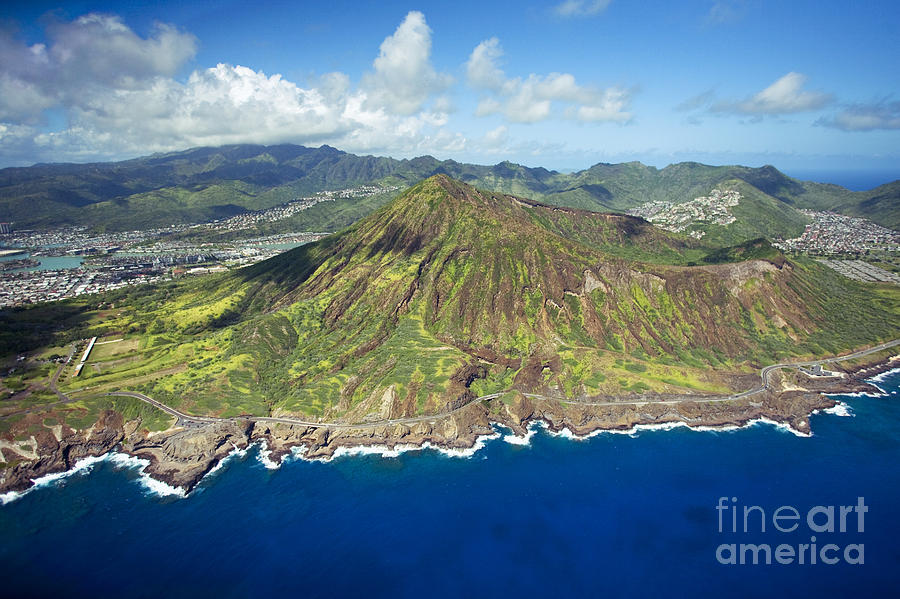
<point>160,489</point>
<point>165,469</point>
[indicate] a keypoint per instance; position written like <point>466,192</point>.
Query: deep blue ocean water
<point>613,515</point>
<point>855,180</point>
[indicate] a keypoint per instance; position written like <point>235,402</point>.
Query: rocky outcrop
<point>183,455</point>
<point>59,455</point>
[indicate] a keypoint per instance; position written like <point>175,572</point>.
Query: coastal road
<point>764,373</point>
<point>189,419</point>
<point>183,419</point>
<point>763,377</point>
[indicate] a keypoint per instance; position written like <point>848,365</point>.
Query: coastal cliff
<point>182,455</point>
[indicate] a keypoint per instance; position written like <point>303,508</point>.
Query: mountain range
<point>207,183</point>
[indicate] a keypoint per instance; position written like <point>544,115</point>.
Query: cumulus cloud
<point>865,117</point>
<point>94,52</point>
<point>581,8</point>
<point>482,69</point>
<point>784,96</point>
<point>532,99</point>
<point>120,96</point>
<point>224,104</point>
<point>404,78</point>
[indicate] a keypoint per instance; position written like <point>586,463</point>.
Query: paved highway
<point>183,419</point>
<point>187,419</point>
<point>763,377</point>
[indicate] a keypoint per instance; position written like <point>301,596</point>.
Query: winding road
<point>183,419</point>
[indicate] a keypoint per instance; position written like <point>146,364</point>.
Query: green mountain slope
<point>450,291</point>
<point>206,183</point>
<point>882,206</point>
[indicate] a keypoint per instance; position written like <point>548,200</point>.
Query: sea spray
<point>880,378</point>
<point>152,485</point>
<point>263,456</point>
<point>839,409</point>
<point>636,429</point>
<point>161,489</point>
<point>119,460</point>
<point>235,453</point>
<point>525,440</point>
<point>395,451</point>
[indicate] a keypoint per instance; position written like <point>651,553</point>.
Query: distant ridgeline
<point>203,184</point>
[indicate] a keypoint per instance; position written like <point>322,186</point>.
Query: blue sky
<point>806,86</point>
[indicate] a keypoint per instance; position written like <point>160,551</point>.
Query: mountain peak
<point>468,284</point>
<point>443,189</point>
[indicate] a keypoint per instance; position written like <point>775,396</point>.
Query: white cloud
<point>102,48</point>
<point>532,99</point>
<point>496,138</point>
<point>581,8</point>
<point>487,107</point>
<point>482,70</point>
<point>785,96</point>
<point>119,96</point>
<point>22,101</point>
<point>609,105</point>
<point>94,52</point>
<point>865,117</point>
<point>404,78</point>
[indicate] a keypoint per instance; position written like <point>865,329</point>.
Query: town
<point>287,210</point>
<point>830,234</point>
<point>677,217</point>
<point>40,266</point>
<point>160,262</point>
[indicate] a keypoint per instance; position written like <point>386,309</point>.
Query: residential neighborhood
<point>40,266</point>
<point>677,217</point>
<point>832,234</point>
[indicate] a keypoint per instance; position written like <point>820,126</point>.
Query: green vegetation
<point>84,413</point>
<point>205,183</point>
<point>755,249</point>
<point>445,294</point>
<point>756,215</point>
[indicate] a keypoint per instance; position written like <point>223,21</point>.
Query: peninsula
<point>443,314</point>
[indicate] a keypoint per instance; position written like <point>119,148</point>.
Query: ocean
<point>620,515</point>
<point>854,180</point>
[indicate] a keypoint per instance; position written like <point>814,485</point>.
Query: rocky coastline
<point>181,456</point>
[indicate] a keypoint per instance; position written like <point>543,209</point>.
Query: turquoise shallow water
<point>49,262</point>
<point>613,515</point>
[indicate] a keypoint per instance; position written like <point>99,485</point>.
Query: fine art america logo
<point>823,531</point>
